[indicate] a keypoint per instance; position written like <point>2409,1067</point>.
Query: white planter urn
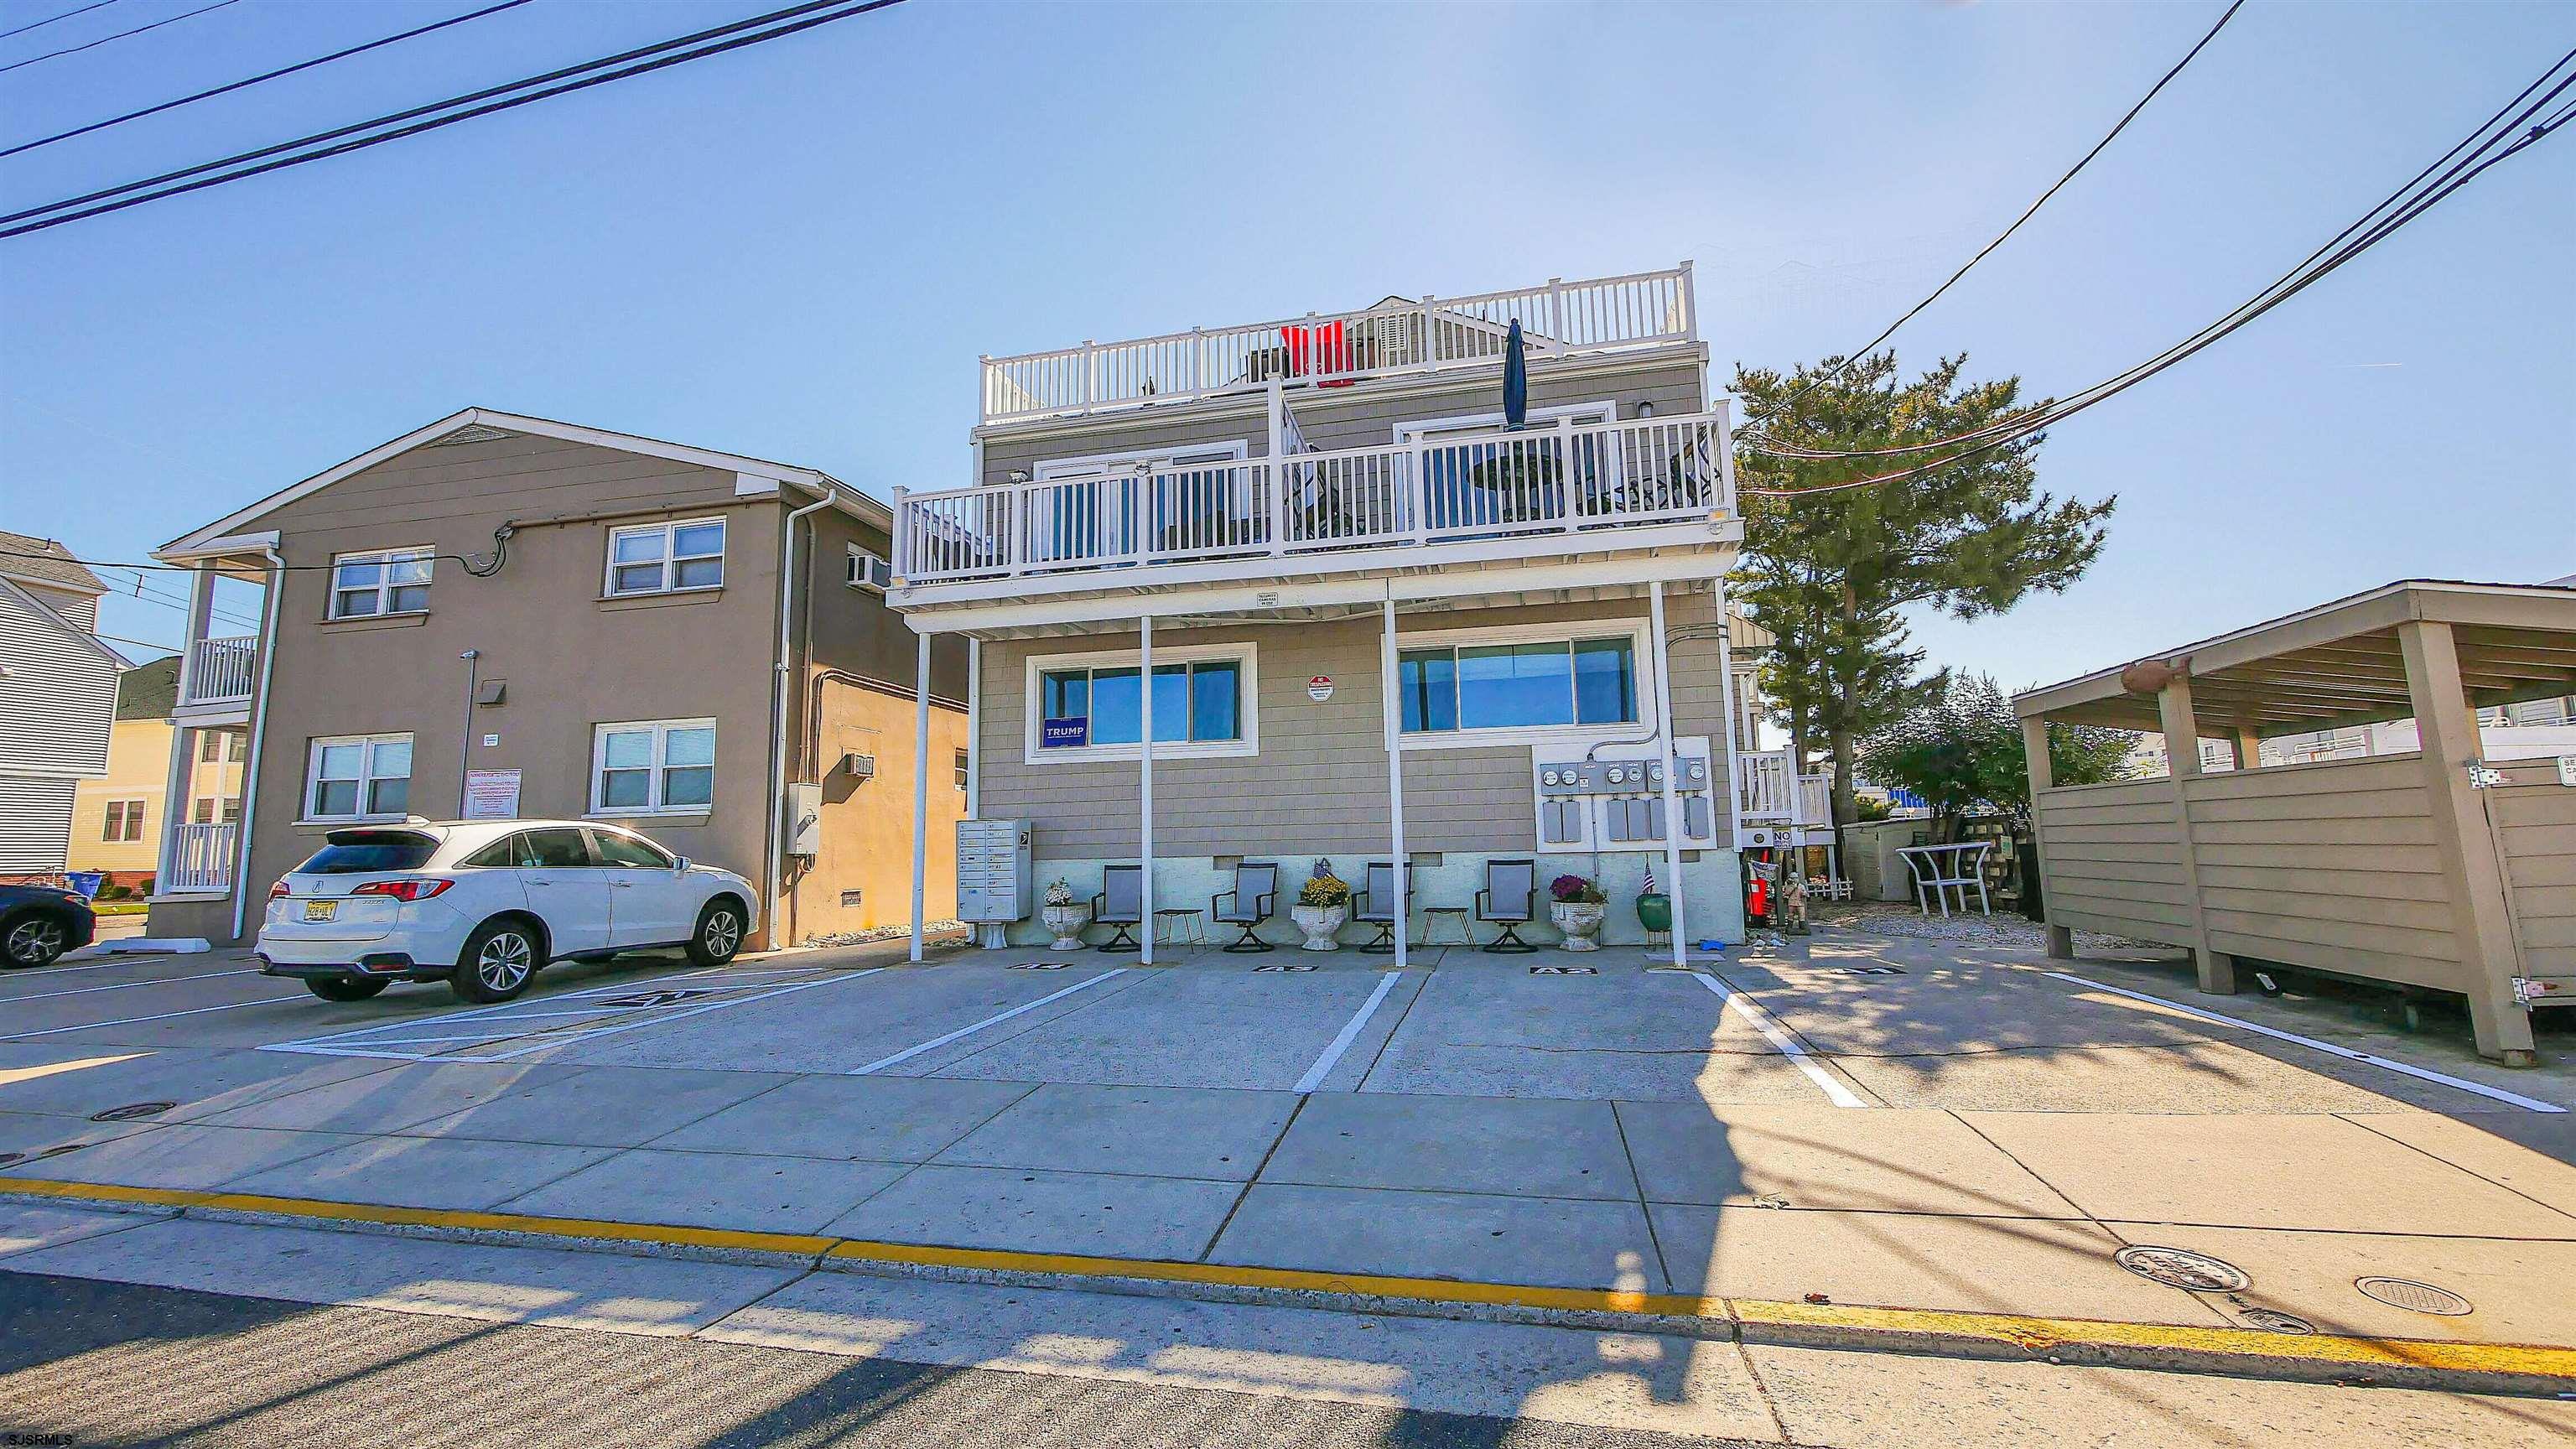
<point>1067,923</point>
<point>1580,921</point>
<point>1321,924</point>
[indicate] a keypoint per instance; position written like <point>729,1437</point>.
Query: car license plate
<point>321,910</point>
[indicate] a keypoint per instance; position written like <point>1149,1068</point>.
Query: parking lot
<point>1865,1120</point>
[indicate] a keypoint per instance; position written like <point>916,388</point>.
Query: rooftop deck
<point>1394,338</point>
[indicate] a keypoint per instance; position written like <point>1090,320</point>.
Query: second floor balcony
<point>221,671</point>
<point>1549,490</point>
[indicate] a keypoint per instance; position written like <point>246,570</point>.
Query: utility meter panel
<point>1611,797</point>
<point>992,871</point>
<point>804,820</point>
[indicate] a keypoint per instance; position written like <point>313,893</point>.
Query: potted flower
<point>1065,916</point>
<point>1323,905</point>
<point>1576,907</point>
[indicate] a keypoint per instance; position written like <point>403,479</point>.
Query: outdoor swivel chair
<point>1255,894</point>
<point>1376,904</point>
<point>1120,904</point>
<point>1509,900</point>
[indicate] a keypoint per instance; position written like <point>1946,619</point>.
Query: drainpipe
<point>258,737</point>
<point>775,855</point>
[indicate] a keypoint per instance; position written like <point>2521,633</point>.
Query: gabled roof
<point>149,690</point>
<point>43,612</point>
<point>807,479</point>
<point>29,559</point>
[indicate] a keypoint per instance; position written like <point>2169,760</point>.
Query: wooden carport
<point>2433,869</point>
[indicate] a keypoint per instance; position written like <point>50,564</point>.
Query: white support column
<point>1662,656</point>
<point>174,798</point>
<point>201,606</point>
<point>1734,708</point>
<point>920,785</point>
<point>1392,708</point>
<point>1145,782</point>
<point>974,727</point>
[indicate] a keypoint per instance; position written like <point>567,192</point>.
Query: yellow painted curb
<point>1749,1318</point>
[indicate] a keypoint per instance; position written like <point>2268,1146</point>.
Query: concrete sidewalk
<point>1595,1139</point>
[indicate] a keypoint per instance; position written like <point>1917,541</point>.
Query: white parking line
<point>131,1020</point>
<point>2528,1104</point>
<point>1350,1032</point>
<point>908,1053</point>
<point>1763,1022</point>
<point>129,985</point>
<point>501,1024</point>
<point>663,1018</point>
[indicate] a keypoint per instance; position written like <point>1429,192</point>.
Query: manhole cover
<point>2414,1297</point>
<point>132,1110</point>
<point>2182,1268</point>
<point>2273,1320</point>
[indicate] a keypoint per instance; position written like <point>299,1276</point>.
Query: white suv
<point>483,904</point>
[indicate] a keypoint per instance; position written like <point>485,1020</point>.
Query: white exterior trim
<point>1247,704</point>
<point>1635,731</point>
<point>201,541</point>
<point>1405,432</point>
<point>1049,469</point>
<point>653,771</point>
<point>669,528</point>
<point>365,778</point>
<point>385,558</point>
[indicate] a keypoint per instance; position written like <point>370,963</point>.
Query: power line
<point>2409,202</point>
<point>1867,347</point>
<point>50,19</point>
<point>736,40</point>
<point>137,643</point>
<point>255,80</point>
<point>106,39</point>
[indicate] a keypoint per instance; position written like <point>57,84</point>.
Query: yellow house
<point>117,819</point>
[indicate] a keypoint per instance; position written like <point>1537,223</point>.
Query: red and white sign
<point>1320,688</point>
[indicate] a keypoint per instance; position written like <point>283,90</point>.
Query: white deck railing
<point>1552,481</point>
<point>1557,318</point>
<point>1763,786</point>
<point>221,669</point>
<point>201,859</point>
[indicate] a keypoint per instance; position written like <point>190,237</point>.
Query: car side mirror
<point>681,864</point>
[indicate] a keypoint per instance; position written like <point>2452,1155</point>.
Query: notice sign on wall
<point>1320,688</point>
<point>491,795</point>
<point>1056,734</point>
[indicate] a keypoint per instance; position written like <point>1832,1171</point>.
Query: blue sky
<point>798,250</point>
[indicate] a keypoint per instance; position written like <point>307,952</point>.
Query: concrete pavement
<point>1622,1132</point>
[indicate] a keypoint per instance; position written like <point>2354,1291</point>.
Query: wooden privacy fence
<point>2335,866</point>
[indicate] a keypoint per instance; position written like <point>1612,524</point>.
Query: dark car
<point>39,923</point>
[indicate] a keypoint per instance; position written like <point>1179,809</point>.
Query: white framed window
<point>1101,507</point>
<point>386,581</point>
<point>355,777</point>
<point>124,821</point>
<point>666,558</point>
<point>1091,706</point>
<point>1525,684</point>
<point>653,767</point>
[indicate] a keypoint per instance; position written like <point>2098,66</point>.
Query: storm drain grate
<point>2182,1268</point>
<point>131,1111</point>
<point>2273,1320</point>
<point>2414,1297</point>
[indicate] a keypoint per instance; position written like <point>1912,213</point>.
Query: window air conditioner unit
<point>867,571</point>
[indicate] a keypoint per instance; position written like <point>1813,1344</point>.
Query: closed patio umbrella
<point>1515,378</point>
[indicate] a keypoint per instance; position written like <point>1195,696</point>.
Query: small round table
<point>1456,916</point>
<point>1180,926</point>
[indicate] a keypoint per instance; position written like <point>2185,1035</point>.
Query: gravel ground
<point>1889,918</point>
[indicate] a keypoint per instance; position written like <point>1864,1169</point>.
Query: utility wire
<point>661,51</point>
<point>1871,345</point>
<point>50,19</point>
<point>255,80</point>
<point>120,35</point>
<point>2410,201</point>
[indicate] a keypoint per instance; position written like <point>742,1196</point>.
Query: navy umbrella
<point>1515,378</point>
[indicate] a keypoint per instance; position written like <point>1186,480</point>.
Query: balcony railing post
<point>1565,471</point>
<point>1690,304</point>
<point>1198,361</point>
<point>1556,310</point>
<point>1090,385</point>
<point>1430,351</point>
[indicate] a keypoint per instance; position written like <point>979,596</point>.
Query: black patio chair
<point>1120,904</point>
<point>1509,900</point>
<point>1255,894</point>
<point>1375,904</point>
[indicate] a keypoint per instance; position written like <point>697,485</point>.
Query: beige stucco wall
<point>867,824</point>
<point>1319,783</point>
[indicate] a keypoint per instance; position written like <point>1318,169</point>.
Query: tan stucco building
<point>574,623</point>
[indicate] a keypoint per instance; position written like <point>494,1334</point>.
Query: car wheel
<point>34,939</point>
<point>498,962</point>
<point>719,934</point>
<point>343,988</point>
